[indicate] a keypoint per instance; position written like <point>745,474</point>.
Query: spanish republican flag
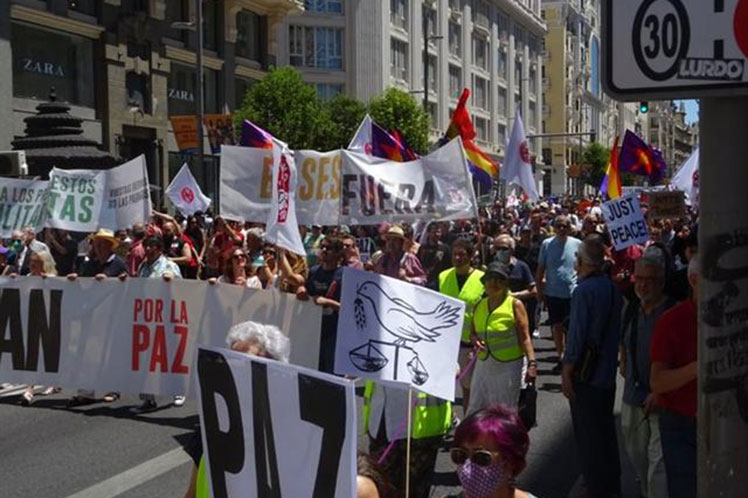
<point>611,185</point>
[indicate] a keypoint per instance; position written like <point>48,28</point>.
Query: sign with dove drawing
<point>393,331</point>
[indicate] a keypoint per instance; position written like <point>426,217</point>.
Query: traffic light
<point>644,107</point>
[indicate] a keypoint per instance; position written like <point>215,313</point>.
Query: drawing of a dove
<point>405,322</point>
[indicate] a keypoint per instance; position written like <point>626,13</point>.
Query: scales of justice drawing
<point>407,325</point>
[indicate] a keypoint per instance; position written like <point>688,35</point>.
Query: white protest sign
<point>434,187</point>
<point>86,200</point>
<point>271,429</point>
<point>185,193</point>
<point>625,222</point>
<point>134,336</point>
<point>22,203</point>
<point>247,185</point>
<point>391,330</point>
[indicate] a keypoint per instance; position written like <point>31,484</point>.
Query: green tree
<point>595,161</point>
<point>287,107</point>
<point>396,109</point>
<point>342,116</point>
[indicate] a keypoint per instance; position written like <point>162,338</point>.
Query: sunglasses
<point>347,246</point>
<point>481,458</point>
<point>239,256</point>
<point>324,248</point>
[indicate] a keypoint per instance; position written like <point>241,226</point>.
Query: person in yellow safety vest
<point>463,282</point>
<point>385,408</point>
<point>500,331</point>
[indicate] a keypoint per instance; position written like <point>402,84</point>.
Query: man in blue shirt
<point>556,278</point>
<point>594,327</point>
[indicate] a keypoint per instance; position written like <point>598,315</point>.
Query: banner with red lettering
<point>137,336</point>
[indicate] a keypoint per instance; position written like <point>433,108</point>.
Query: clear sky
<point>692,111</point>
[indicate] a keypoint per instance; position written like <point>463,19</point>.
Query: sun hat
<point>107,235</point>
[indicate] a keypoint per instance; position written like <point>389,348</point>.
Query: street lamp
<point>197,26</point>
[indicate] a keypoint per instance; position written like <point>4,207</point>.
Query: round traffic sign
<point>740,25</point>
<point>661,37</point>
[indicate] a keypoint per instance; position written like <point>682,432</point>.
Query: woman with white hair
<point>254,339</point>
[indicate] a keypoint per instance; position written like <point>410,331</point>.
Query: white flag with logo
<point>361,141</point>
<point>687,178</point>
<point>282,228</point>
<point>185,193</point>
<point>517,168</point>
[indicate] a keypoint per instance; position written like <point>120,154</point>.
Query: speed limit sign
<point>675,48</point>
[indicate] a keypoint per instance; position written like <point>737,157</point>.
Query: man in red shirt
<point>673,379</point>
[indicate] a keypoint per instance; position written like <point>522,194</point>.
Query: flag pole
<point>407,446</point>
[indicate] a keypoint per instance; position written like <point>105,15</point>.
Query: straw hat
<point>395,231</point>
<point>107,235</point>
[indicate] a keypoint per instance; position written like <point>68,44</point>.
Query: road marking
<point>125,481</point>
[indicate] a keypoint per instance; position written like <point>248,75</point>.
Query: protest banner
<point>278,430</point>
<point>390,330</point>
<point>22,203</point>
<point>185,131</point>
<point>625,222</point>
<point>134,336</point>
<point>185,193</point>
<point>436,187</point>
<point>247,185</point>
<point>220,131</point>
<point>86,200</point>
<point>667,204</point>
<point>282,227</point>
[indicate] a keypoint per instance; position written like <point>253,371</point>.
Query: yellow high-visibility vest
<point>498,330</point>
<point>472,291</point>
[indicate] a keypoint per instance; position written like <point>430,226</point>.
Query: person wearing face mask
<point>521,280</point>
<point>639,417</point>
<point>490,450</point>
<point>500,333</point>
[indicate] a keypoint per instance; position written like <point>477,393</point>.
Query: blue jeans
<point>596,439</point>
<point>678,435</point>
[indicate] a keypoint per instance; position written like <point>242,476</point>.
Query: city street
<point>103,451</point>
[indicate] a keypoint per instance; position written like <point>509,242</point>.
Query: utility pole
<point>200,105</point>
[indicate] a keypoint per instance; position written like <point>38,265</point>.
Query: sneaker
<point>557,369</point>
<point>179,400</point>
<point>536,334</point>
<point>148,406</point>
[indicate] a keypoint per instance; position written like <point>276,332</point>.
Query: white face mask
<point>504,255</point>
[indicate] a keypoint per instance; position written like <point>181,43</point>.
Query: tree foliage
<point>595,160</point>
<point>285,106</point>
<point>396,109</point>
<point>342,116</point>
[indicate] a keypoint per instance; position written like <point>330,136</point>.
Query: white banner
<point>271,429</point>
<point>22,203</point>
<point>86,200</point>
<point>282,226</point>
<point>435,187</point>
<point>137,336</point>
<point>625,221</point>
<point>185,193</point>
<point>394,331</point>
<point>247,185</point>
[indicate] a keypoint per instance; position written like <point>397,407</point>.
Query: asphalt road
<point>102,451</point>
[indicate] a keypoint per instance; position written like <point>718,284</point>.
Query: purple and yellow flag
<point>611,185</point>
<point>641,159</point>
<point>390,146</point>
<point>254,136</point>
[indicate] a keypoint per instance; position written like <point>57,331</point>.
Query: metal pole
<point>200,105</point>
<point>723,299</point>
<point>426,68</point>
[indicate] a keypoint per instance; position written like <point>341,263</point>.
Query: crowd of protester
<point>631,311</point>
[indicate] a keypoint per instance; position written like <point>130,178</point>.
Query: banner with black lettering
<point>134,336</point>
<point>86,200</point>
<point>434,187</point>
<point>247,185</point>
<point>22,204</point>
<point>625,221</point>
<point>272,429</point>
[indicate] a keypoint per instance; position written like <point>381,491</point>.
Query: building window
<point>455,81</point>
<point>135,6</point>
<point>533,82</point>
<point>481,13</point>
<point>399,13</point>
<point>249,32</point>
<point>433,81</point>
<point>138,91</point>
<point>177,10</point>
<point>518,73</point>
<point>531,114</point>
<point>326,6</point>
<point>481,128</point>
<point>316,47</point>
<point>327,91</point>
<point>211,25</point>
<point>455,39</point>
<point>83,6</point>
<point>480,52</point>
<point>399,59</point>
<point>44,59</point>
<point>433,117</point>
<point>501,138</point>
<point>480,92</point>
<point>502,101</point>
<point>241,87</point>
<point>182,85</point>
<point>501,64</point>
<point>429,19</point>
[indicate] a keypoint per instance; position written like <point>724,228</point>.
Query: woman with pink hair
<point>489,450</point>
